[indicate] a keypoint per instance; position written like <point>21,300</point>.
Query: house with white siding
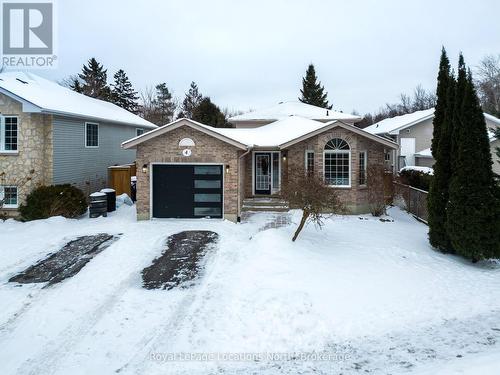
<point>50,134</point>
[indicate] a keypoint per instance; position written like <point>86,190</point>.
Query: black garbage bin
<point>98,205</point>
<point>111,197</point>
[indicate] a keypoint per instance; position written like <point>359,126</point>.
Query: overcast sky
<point>252,54</point>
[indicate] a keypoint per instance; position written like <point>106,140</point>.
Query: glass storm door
<point>262,173</point>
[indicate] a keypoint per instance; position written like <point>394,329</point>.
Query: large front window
<point>337,163</point>
<point>8,134</point>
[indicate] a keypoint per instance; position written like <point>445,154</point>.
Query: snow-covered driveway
<point>370,295</point>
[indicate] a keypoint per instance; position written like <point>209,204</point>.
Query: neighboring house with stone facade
<point>52,135</point>
<point>190,170</point>
<point>413,133</point>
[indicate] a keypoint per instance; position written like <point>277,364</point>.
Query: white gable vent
<point>186,142</point>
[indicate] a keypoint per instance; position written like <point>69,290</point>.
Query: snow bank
<point>374,290</point>
<point>426,170</point>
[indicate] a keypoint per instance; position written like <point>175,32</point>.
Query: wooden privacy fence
<point>119,177</point>
<point>415,200</point>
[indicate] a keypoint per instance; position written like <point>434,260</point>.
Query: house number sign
<point>186,152</point>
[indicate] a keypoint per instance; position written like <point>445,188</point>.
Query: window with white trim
<point>139,132</point>
<point>310,162</point>
<point>8,197</point>
<point>8,133</point>
<point>91,134</point>
<point>337,165</point>
<point>362,167</point>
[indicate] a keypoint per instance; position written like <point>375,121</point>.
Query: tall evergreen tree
<point>191,101</point>
<point>441,143</point>
<point>209,114</point>
<point>123,94</point>
<point>312,92</point>
<point>163,105</point>
<point>473,212</point>
<point>93,81</point>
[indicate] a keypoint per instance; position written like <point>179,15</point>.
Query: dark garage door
<point>187,191</point>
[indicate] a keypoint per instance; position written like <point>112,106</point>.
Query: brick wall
<point>356,197</point>
<point>165,149</point>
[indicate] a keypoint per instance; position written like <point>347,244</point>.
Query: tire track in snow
<point>139,362</point>
<point>56,349</point>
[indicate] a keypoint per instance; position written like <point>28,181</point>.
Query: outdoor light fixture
<point>227,168</point>
<point>145,168</point>
<point>284,156</point>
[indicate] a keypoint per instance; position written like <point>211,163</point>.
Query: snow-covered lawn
<point>371,296</point>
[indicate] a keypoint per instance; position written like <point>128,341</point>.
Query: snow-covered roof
<point>427,153</point>
<point>274,134</point>
<point>492,118</point>
<point>294,108</point>
<point>41,95</point>
<point>279,134</point>
<point>393,124</point>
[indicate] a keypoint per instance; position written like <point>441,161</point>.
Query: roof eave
<point>335,123</point>
<point>95,118</point>
<point>402,127</point>
<point>133,142</point>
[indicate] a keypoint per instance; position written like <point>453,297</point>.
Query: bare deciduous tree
<point>420,100</point>
<point>488,84</point>
<point>309,193</point>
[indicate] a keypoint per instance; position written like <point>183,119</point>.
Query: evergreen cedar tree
<point>209,114</point>
<point>191,101</point>
<point>123,94</point>
<point>441,143</point>
<point>312,92</point>
<point>473,209</point>
<point>92,81</point>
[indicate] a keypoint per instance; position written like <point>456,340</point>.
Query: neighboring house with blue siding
<point>52,135</point>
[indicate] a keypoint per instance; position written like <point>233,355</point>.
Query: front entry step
<point>265,204</point>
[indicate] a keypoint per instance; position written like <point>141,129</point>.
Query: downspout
<point>250,148</point>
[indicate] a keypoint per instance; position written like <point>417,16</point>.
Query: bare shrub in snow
<point>309,193</point>
<point>375,184</point>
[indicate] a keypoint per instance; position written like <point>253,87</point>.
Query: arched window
<point>337,165</point>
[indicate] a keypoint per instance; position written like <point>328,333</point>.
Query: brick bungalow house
<point>190,170</point>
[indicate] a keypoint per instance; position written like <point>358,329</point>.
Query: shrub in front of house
<point>416,178</point>
<point>56,200</point>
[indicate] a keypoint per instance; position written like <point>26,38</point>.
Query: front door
<point>262,173</point>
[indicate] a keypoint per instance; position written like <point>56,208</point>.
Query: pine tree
<point>312,92</point>
<point>123,94</point>
<point>163,105</point>
<point>441,143</point>
<point>209,114</point>
<point>75,85</point>
<point>94,80</point>
<point>473,211</point>
<point>191,101</point>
